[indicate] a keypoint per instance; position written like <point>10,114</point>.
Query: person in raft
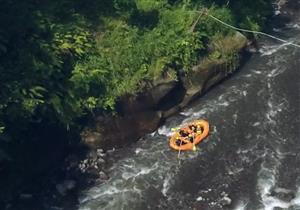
<point>191,137</point>
<point>182,134</point>
<point>195,130</point>
<point>185,134</point>
<point>179,142</point>
<point>198,130</point>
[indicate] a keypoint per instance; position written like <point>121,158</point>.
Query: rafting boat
<point>190,135</point>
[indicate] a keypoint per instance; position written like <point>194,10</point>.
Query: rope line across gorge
<point>248,31</point>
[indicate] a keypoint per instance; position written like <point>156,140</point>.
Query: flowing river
<point>251,159</point>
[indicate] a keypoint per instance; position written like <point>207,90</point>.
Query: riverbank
<point>77,166</point>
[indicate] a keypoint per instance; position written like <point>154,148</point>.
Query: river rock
<point>83,166</point>
<point>91,139</point>
<point>101,155</point>
<point>100,152</point>
<point>148,99</point>
<point>110,151</point>
<point>120,129</point>
<point>93,154</point>
<point>103,176</point>
<point>161,88</point>
<point>225,201</point>
<point>200,198</point>
<point>283,194</point>
<point>100,161</point>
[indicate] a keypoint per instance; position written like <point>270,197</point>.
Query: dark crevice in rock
<point>173,98</point>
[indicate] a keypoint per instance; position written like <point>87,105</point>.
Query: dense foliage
<point>61,59</point>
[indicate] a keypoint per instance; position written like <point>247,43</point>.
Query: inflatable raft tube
<point>178,142</point>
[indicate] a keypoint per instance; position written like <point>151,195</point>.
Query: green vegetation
<point>61,59</point>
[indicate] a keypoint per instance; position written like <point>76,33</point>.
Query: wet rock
<point>102,155</point>
<point>283,194</point>
<point>93,173</point>
<point>111,150</point>
<point>154,92</point>
<point>92,155</point>
<point>99,151</point>
<point>65,186</point>
<point>131,126</point>
<point>93,163</point>
<point>212,203</point>
<point>199,198</point>
<point>103,176</point>
<point>225,201</point>
<point>100,161</point>
<point>92,139</point>
<point>160,90</point>
<point>83,166</point>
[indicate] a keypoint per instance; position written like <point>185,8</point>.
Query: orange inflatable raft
<point>201,130</point>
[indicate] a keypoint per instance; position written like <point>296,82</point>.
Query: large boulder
<point>162,86</point>
<point>150,97</point>
<point>120,130</point>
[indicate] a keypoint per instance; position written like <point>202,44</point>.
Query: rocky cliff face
<point>143,113</point>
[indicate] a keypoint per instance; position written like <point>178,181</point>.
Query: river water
<point>251,159</point>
